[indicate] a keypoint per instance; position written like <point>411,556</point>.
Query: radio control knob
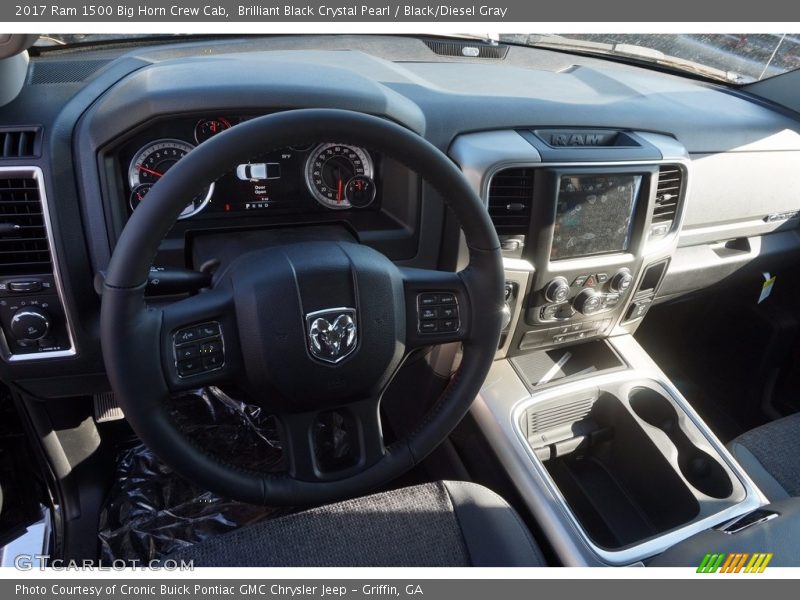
<point>30,324</point>
<point>588,302</point>
<point>621,281</point>
<point>557,290</point>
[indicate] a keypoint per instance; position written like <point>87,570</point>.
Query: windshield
<point>733,58</point>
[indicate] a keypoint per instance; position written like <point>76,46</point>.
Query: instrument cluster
<point>320,176</point>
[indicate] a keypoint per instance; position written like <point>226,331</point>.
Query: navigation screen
<point>594,214</point>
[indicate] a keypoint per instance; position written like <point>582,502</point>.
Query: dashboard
<point>612,187</point>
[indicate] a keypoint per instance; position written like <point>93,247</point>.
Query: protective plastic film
<point>151,511</point>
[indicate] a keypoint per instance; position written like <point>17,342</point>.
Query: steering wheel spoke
<point>335,443</point>
<point>437,307</point>
<point>199,341</point>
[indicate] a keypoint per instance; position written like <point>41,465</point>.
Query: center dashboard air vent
<point>668,195</point>
<point>510,199</point>
<point>24,247</point>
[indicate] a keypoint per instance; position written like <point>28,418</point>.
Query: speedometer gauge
<point>151,162</point>
<point>330,167</point>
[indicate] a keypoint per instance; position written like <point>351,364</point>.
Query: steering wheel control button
<point>428,313</point>
<point>198,349</point>
<point>437,313</point>
<point>186,336</point>
<point>187,352</point>
<point>428,299</point>
<point>208,330</point>
<point>189,367</point>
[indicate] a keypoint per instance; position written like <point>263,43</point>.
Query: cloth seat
<point>770,454</point>
<point>447,524</point>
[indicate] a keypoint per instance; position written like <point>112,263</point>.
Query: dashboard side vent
<point>466,49</point>
<point>19,142</point>
<point>510,199</point>
<point>24,246</point>
<point>668,192</point>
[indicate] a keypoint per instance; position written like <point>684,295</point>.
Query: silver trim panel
<point>497,410</point>
<point>5,350</point>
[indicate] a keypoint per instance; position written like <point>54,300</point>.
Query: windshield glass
<point>733,57</point>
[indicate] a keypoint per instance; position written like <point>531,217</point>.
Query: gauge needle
<point>151,171</point>
<point>339,191</point>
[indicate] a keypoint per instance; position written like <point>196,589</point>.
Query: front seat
<point>442,524</point>
<point>770,454</point>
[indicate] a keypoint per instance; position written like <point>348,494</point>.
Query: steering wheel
<point>309,329</point>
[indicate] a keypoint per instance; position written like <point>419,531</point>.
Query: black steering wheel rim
<point>131,333</point>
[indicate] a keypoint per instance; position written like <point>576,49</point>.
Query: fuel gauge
<point>208,128</point>
<point>360,191</point>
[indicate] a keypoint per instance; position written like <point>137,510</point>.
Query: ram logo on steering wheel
<point>332,333</point>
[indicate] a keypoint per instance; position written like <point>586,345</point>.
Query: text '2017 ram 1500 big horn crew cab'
<point>415,301</point>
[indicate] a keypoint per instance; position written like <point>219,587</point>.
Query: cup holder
<point>702,471</point>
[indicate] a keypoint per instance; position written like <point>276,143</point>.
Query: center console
<point>611,459</point>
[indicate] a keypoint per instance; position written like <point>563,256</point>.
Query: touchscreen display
<point>594,214</point>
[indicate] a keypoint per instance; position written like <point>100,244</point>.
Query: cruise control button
<point>189,367</point>
<point>213,361</point>
<point>211,347</point>
<point>448,312</point>
<point>208,330</point>
<point>447,299</point>
<point>187,352</point>
<point>184,336</point>
<point>428,313</point>
<point>428,327</point>
<point>448,325</point>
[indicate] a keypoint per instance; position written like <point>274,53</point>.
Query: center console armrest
<point>779,535</point>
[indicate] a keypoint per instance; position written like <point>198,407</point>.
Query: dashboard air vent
<point>467,49</point>
<point>668,191</point>
<point>510,199</point>
<point>19,143</point>
<point>24,248</point>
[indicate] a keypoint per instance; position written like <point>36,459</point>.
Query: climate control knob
<point>30,324</point>
<point>557,290</point>
<point>621,281</point>
<point>588,302</point>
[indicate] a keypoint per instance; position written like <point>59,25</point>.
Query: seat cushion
<point>770,454</point>
<point>443,524</point>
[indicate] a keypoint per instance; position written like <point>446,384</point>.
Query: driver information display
<point>594,214</point>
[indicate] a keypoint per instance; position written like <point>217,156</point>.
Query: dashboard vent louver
<point>668,192</point>
<point>510,199</point>
<point>24,248</point>
<point>468,49</point>
<point>19,143</point>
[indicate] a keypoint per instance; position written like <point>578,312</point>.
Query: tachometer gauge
<point>208,128</point>
<point>330,167</point>
<point>151,162</point>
